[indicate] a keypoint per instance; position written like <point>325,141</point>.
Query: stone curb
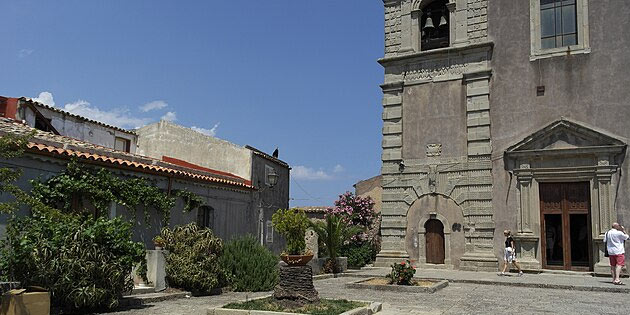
<point>491,282</point>
<point>371,308</point>
<point>139,299</point>
<point>398,288</point>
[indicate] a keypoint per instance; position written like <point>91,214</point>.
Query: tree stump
<point>296,284</point>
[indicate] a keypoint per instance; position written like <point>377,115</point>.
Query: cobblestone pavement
<point>457,298</point>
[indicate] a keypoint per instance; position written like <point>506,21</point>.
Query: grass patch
<point>323,307</point>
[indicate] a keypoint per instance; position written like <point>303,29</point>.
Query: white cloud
<point>170,116</point>
<point>45,98</point>
<point>25,52</point>
<point>307,173</point>
<point>208,132</point>
<point>338,169</point>
<point>117,117</point>
<point>153,106</point>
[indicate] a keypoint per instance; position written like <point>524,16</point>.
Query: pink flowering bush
<point>357,211</point>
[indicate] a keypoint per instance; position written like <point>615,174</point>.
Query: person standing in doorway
<point>510,254</point>
<point>615,239</point>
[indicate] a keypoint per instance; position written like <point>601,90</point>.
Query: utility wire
<point>304,190</point>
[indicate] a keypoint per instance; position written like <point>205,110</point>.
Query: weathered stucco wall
<point>168,139</point>
<point>372,188</point>
<point>233,213</point>
<point>82,130</point>
<point>590,88</point>
<point>434,113</point>
<point>269,199</point>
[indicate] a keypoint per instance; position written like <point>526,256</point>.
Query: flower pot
<point>296,260</point>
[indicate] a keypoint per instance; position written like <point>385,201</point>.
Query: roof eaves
<point>35,103</point>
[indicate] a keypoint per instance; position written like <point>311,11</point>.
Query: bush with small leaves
<point>84,262</point>
<point>251,266</point>
<point>193,260</point>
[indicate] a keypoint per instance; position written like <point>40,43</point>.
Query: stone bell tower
<point>437,181</point>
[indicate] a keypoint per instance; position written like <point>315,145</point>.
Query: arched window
<point>205,217</point>
<point>434,25</point>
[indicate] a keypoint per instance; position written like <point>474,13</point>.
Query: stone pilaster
<point>479,230</point>
<point>393,224</point>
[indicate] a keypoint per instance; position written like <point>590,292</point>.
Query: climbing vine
<point>191,200</point>
<point>100,187</point>
<point>12,146</point>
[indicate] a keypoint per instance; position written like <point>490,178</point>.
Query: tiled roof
<point>318,209</point>
<point>61,146</point>
<point>55,109</point>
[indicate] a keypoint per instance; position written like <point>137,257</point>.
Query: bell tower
<point>437,182</point>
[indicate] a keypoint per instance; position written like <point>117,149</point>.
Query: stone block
<point>393,112</point>
<point>390,100</point>
<point>392,154</point>
<point>156,268</point>
<point>392,141</point>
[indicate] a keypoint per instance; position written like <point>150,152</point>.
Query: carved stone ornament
<point>434,149</point>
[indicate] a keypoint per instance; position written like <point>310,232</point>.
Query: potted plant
<point>333,232</point>
<point>159,242</point>
<point>292,225</point>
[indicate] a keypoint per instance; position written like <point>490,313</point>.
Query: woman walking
<point>510,254</point>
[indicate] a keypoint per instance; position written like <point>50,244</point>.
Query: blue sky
<point>297,74</point>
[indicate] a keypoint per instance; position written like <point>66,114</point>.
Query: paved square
<point>457,298</point>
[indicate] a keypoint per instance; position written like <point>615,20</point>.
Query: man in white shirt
<point>615,239</point>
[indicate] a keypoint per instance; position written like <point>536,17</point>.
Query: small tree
<point>292,225</point>
<point>333,232</point>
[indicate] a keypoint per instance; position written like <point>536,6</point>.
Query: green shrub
<point>193,260</point>
<point>251,266</point>
<point>358,255</point>
<point>84,262</point>
<point>292,225</point>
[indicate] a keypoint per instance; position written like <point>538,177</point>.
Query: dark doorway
<point>566,226</point>
<point>435,241</point>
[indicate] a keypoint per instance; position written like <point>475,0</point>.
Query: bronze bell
<point>428,24</point>
<point>443,22</point>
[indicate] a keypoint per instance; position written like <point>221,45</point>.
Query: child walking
<point>510,254</point>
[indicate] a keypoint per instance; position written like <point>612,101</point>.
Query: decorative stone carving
<point>432,69</point>
<point>434,149</point>
<point>296,284</point>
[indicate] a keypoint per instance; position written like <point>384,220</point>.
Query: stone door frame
<point>595,163</point>
<point>422,241</point>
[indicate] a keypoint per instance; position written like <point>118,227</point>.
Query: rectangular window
<point>269,236</point>
<point>122,144</point>
<point>558,25</point>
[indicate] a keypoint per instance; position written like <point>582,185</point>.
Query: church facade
<point>499,115</point>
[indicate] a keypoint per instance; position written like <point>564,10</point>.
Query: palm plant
<point>333,232</point>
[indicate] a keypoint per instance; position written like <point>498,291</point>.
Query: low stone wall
<point>439,284</point>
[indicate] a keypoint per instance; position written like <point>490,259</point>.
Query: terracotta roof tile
<point>48,143</point>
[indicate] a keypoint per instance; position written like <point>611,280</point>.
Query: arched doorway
<point>434,241</point>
